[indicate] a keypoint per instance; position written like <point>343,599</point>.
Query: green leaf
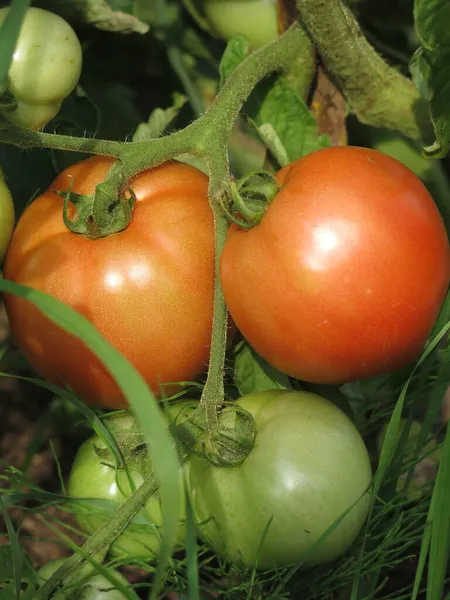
<point>235,52</point>
<point>159,120</point>
<point>439,518</point>
<point>253,374</point>
<point>152,422</point>
<point>274,102</point>
<point>430,67</point>
<point>271,139</point>
<point>17,558</point>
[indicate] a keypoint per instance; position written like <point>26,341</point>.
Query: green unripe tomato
<point>45,68</point>
<point>100,489</point>
<point>97,587</point>
<point>7,217</point>
<point>308,466</point>
<point>256,19</point>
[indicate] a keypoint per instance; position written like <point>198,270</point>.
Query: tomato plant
<point>349,265</point>
<point>97,587</point>
<point>45,68</point>
<point>99,488</point>
<point>333,275</point>
<point>148,289</point>
<point>308,465</point>
<point>7,216</point>
<point>256,19</point>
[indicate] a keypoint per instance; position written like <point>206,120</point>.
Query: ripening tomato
<point>307,467</point>
<point>147,289</point>
<point>344,276</point>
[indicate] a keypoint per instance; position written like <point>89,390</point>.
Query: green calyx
<point>229,444</point>
<point>108,211</point>
<point>131,448</point>
<point>250,197</point>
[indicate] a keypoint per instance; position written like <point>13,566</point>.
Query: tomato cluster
<point>342,278</point>
<point>308,466</point>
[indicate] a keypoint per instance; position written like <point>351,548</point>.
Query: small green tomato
<point>45,68</point>
<point>100,489</point>
<point>256,19</point>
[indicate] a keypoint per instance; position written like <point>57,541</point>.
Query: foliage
<point>157,85</point>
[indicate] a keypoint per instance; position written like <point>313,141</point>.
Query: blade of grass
<point>9,32</point>
<point>421,563</point>
<point>152,423</point>
<point>191,553</point>
<point>439,517</point>
<point>391,439</point>
<point>16,551</point>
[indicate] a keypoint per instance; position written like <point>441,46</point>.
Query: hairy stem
<point>376,93</point>
<point>213,392</point>
<point>277,55</point>
<point>98,544</point>
<point>220,118</point>
<point>10,133</point>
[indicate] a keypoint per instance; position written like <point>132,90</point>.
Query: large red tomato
<point>148,289</point>
<point>345,274</point>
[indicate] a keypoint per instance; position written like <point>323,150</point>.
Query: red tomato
<point>148,289</point>
<point>345,274</point>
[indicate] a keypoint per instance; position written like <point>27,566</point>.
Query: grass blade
<point>439,517</point>
<point>155,428</point>
<point>9,32</point>
<point>16,552</point>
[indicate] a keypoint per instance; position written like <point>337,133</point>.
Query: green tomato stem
<point>98,544</point>
<point>376,93</point>
<point>213,393</point>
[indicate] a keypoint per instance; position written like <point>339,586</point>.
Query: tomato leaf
<point>274,102</point>
<point>253,374</point>
<point>430,67</point>
<point>271,139</point>
<point>235,52</point>
<point>278,113</point>
<point>159,120</point>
